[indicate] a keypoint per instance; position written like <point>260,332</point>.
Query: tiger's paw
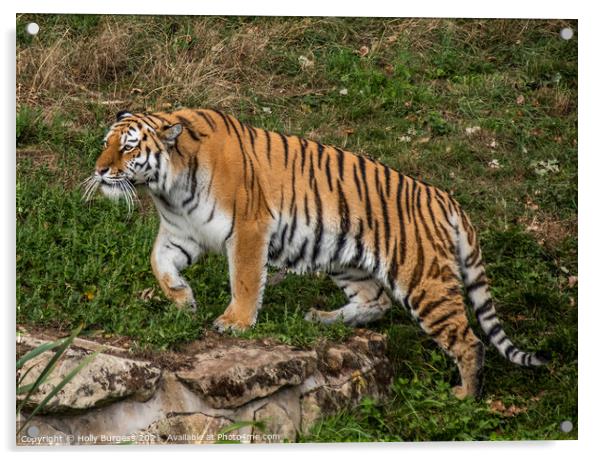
<point>187,304</point>
<point>182,296</point>
<point>459,392</point>
<point>320,316</point>
<point>228,323</point>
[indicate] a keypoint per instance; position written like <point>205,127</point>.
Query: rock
<point>329,399</point>
<point>279,427</point>
<point>39,433</point>
<point>218,381</point>
<point>228,377</point>
<point>196,428</point>
<point>104,380</point>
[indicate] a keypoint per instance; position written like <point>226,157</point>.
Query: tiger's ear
<point>122,114</point>
<point>170,134</point>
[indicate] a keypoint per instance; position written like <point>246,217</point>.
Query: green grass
<point>408,103</point>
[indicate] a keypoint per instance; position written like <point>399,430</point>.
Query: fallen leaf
<point>423,140</point>
<point>305,62</point>
<point>572,281</point>
<point>472,130</point>
<point>499,407</point>
<point>344,92</point>
<point>147,294</point>
<point>364,50</point>
<point>494,164</point>
<point>520,100</point>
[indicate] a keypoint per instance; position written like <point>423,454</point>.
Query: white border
<point>589,204</point>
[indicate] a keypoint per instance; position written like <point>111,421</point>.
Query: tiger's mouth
<point>114,188</point>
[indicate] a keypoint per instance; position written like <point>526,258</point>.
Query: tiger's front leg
<point>170,255</point>
<point>247,258</point>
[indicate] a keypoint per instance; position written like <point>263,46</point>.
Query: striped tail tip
<point>542,357</point>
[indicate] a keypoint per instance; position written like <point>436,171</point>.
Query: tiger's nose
<point>102,171</point>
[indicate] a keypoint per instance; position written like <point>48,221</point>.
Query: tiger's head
<point>134,150</point>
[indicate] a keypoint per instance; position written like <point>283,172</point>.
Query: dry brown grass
<point>198,64</point>
<point>149,63</point>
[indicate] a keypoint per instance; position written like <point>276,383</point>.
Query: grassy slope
<point>410,95</point>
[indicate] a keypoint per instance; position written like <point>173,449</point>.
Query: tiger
<point>264,198</point>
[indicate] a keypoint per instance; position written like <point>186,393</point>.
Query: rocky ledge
<point>219,389</point>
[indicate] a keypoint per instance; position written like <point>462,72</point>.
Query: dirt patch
<point>549,230</point>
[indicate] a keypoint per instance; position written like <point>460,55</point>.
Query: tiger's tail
<point>477,290</point>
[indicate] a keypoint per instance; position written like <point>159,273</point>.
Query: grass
<point>402,91</point>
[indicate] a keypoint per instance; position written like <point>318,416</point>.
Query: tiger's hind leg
<point>368,300</point>
<point>439,308</point>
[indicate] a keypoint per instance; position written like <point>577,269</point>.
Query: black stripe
<point>341,162</point>
<point>312,172</point>
<point>401,220</point>
<point>268,148</point>
<point>192,179</point>
<point>293,225</point>
<point>293,262</point>
<point>232,225</point>
<point>319,229</point>
<point>306,209</point>
<point>293,186</point>
<point>285,145</point>
<point>479,283</point>
<point>320,154</point>
<point>418,268</point>
<point>429,307</point>
<point>345,224</point>
<point>431,214</point>
<point>414,304</point>
<point>410,200</point>
<point>445,317</point>
<point>362,166</point>
<point>359,247</point>
<point>386,224</point>
<point>488,305</point>
<point>494,331</point>
<point>211,213</point>
<point>303,145</point>
<point>387,180</point>
<point>207,118</point>
<point>183,251</point>
<point>489,317</point>
<point>427,230</point>
<point>224,119</point>
<point>376,247</point>
<point>328,174</point>
<point>189,128</point>
<point>356,179</point>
